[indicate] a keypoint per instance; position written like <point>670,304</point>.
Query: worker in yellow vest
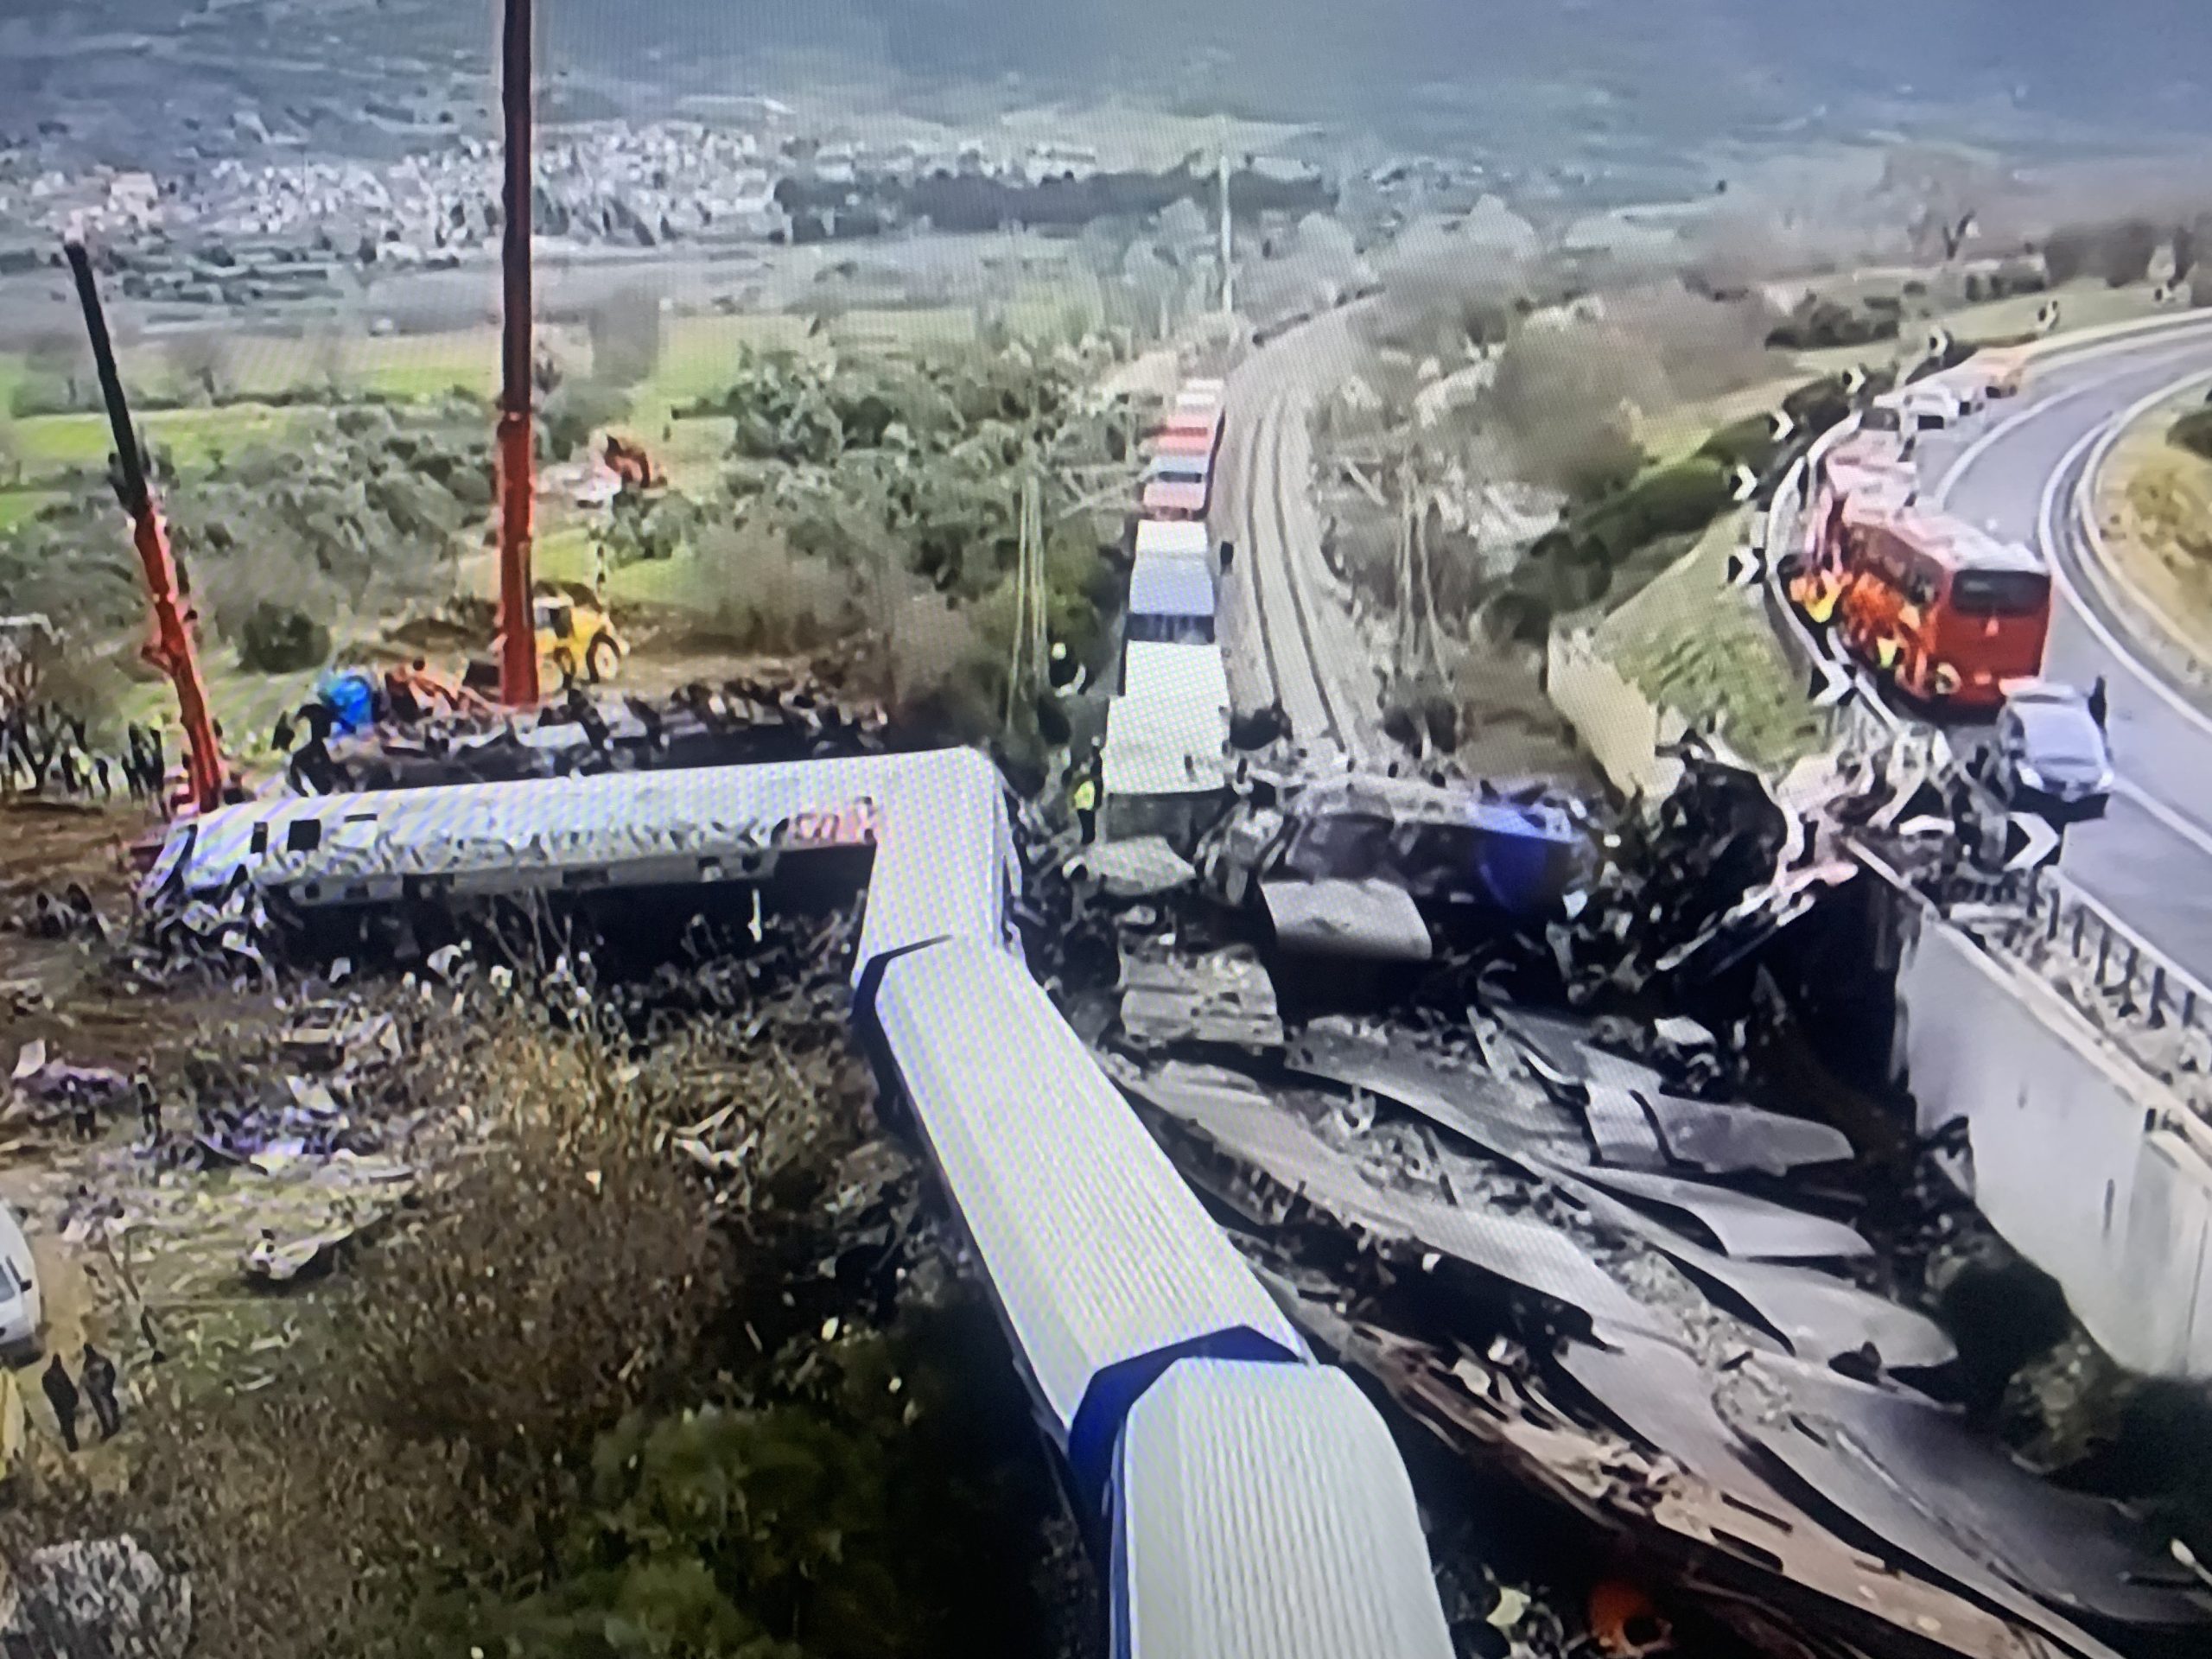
<point>1819,602</point>
<point>1083,786</point>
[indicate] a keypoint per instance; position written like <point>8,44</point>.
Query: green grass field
<point>16,505</point>
<point>47,443</point>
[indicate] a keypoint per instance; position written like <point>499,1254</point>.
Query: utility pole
<point>518,484</point>
<point>1027,662</point>
<point>1228,267</point>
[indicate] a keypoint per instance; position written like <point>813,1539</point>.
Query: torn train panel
<point>1817,1316</point>
<point>1224,997</point>
<point>1744,1226</point>
<point>1514,1120</point>
<point>1364,921</point>
<point>1245,1124</point>
<point>1725,1139</point>
<point>1760,1561</point>
<point>1909,1471</point>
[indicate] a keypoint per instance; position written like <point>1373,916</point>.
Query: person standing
<point>1084,791</point>
<point>98,1373</point>
<point>2099,706</point>
<point>149,1108</point>
<point>61,1394</point>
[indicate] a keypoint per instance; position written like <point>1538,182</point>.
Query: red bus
<point>1947,612</point>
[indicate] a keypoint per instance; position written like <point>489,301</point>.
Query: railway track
<point>1314,686</point>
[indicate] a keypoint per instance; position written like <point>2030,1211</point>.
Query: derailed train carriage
<point>1243,1499</point>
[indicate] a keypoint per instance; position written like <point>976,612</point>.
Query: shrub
<point>1606,463</point>
<point>1750,442</point>
<point>2125,253</point>
<point>764,597</point>
<point>1820,323</point>
<point>579,409</point>
<point>2193,432</point>
<point>277,639</point>
<point>1818,404</point>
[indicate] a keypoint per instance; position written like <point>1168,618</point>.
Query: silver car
<point>20,1310</point>
<point>2051,755</point>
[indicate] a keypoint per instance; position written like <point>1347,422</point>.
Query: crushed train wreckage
<point>1675,1326</point>
<point>1557,1233</point>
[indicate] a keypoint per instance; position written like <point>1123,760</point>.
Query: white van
<point>1924,406</point>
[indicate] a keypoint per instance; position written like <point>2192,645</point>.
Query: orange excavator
<point>172,649</point>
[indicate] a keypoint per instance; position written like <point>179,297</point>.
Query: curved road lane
<point>2150,859</point>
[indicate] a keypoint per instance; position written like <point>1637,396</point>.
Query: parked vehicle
<point>1949,613</point>
<point>2049,754</point>
<point>20,1311</point>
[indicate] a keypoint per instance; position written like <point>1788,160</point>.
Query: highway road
<point>2150,859</point>
<point>1287,629</point>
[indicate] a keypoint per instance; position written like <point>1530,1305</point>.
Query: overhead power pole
<point>518,484</point>
<point>1228,266</point>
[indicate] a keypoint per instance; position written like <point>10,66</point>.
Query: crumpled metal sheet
<point>1722,1139</point>
<point>1139,868</point>
<point>1224,996</point>
<point>1244,1123</point>
<point>1909,1471</point>
<point>1818,1317</point>
<point>1745,1226</point>
<point>1761,1558</point>
<point>1364,921</point>
<point>1666,1399</point>
<point>1514,1121</point>
<point>1620,1130</point>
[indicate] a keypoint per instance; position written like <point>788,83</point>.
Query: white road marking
<point>2195,834</point>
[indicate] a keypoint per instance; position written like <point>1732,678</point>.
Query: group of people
<point>95,1384</point>
<point>45,749</point>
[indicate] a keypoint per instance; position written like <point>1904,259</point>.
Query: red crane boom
<point>171,649</point>
<point>517,485</point>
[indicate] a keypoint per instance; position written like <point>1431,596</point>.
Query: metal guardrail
<point>2156,1011</point>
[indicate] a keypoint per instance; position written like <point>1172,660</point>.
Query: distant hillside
<point>1542,71</point>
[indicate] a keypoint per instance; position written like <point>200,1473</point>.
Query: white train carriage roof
<point>1184,537</point>
<point>1262,1512</point>
<point>1168,731</point>
<point>945,865</point>
<point>1105,1266</point>
<point>1171,585</point>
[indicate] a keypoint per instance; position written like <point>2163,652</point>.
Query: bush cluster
<point>2193,432</point>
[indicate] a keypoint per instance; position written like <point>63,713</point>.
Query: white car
<point>1925,405</point>
<point>19,1309</point>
